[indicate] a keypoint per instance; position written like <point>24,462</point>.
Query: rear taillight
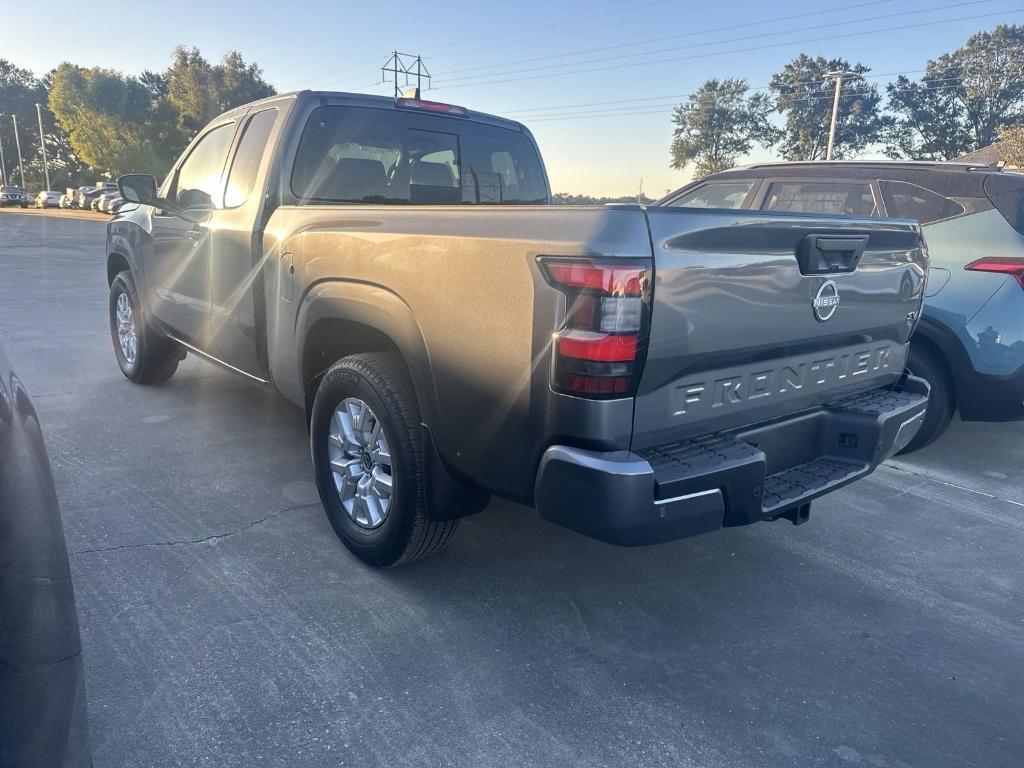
<point>1007,265</point>
<point>600,350</point>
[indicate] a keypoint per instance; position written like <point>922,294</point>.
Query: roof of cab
<point>373,102</point>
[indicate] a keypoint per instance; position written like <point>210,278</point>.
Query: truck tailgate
<point>755,316</point>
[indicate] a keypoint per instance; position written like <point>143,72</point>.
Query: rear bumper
<point>700,485</point>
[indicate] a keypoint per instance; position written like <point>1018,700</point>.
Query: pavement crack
<point>212,539</point>
<point>948,484</point>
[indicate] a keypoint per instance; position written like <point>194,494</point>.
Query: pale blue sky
<point>527,60</point>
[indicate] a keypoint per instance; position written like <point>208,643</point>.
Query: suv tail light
<point>1008,265</point>
<point>599,352</point>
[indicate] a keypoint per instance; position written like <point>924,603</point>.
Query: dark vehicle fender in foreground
<point>43,719</point>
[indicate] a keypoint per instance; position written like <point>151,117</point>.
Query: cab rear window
<point>381,156</point>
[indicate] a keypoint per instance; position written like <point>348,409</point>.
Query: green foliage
<point>804,96</point>
<point>113,122</point>
<point>199,91</point>
<point>718,124</point>
<point>962,99</point>
<point>1011,145</point>
<point>118,123</point>
<point>19,92</point>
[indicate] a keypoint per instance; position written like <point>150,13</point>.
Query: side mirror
<point>138,188</point>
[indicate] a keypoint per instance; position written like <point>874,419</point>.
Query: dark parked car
<point>970,342</point>
<point>13,196</point>
<point>638,374</point>
<point>42,690</point>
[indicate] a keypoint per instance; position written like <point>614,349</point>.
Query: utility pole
<point>17,143</point>
<point>838,75</point>
<point>408,65</point>
<point>3,165</point>
<point>42,143</point>
<point>640,194</point>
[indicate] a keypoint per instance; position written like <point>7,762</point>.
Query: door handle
<point>828,254</point>
<point>195,235</point>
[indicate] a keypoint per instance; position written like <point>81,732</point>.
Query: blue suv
<point>969,344</point>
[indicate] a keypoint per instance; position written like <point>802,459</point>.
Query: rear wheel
<point>144,356</point>
<point>928,365</point>
<point>367,448</point>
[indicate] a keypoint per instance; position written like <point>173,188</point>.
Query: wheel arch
<point>341,318</point>
<point>117,263</point>
<point>944,346</point>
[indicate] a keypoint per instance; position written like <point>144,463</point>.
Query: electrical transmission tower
<point>408,66</point>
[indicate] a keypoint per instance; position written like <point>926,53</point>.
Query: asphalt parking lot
<point>224,625</point>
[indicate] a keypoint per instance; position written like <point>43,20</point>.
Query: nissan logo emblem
<point>826,301</point>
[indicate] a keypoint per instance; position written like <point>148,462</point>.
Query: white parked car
<point>48,199</point>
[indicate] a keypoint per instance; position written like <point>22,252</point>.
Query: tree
<point>962,99</point>
<point>112,121</point>
<point>1011,145</point>
<point>718,124</point>
<point>804,95</point>
<point>199,92</point>
<point>19,93</point>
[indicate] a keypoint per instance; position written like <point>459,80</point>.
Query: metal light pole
<point>838,75</point>
<point>42,143</point>
<point>3,165</point>
<point>17,143</point>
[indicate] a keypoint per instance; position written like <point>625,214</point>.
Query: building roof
<point>990,155</point>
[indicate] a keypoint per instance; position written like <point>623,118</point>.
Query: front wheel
<point>143,355</point>
<point>367,447</point>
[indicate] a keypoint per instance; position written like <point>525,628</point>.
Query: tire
<point>405,533</point>
<point>928,365</point>
<point>155,356</point>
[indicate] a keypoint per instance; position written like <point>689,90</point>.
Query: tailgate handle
<point>826,254</point>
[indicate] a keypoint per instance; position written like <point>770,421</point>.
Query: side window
<point>844,198</point>
<point>909,201</point>
<point>198,179</point>
<point>715,195</point>
<point>246,163</point>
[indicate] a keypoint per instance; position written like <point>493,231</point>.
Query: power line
<point>665,108</point>
<point>625,8</point>
<point>695,33</point>
<point>572,109</point>
<point>961,3</point>
<point>691,57</point>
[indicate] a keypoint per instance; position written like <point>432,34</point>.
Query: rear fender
<point>376,307</point>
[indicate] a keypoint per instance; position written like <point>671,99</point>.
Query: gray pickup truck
<point>393,266</point>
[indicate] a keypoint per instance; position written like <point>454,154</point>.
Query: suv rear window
<point>362,155</point>
<point>715,195</point>
<point>844,198</point>
<point>909,201</point>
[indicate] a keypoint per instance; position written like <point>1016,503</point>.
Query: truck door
<point>236,264</point>
<point>178,267</point>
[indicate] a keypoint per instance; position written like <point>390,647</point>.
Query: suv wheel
<point>367,447</point>
<point>144,356</point>
<point>926,364</point>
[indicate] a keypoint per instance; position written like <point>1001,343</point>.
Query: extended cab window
<point>909,201</point>
<point>715,195</point>
<point>246,164</point>
<point>359,155</point>
<point>198,179</point>
<point>844,198</point>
